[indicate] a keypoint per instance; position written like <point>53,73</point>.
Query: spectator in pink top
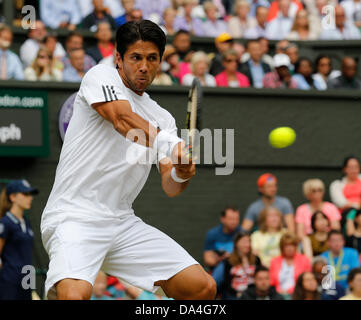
<point>346,192</point>
<point>286,268</point>
<point>230,77</point>
<point>314,191</point>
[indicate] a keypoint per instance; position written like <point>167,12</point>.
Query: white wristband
<point>174,176</point>
<point>165,142</point>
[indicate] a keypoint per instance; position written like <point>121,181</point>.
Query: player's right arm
<point>124,120</point>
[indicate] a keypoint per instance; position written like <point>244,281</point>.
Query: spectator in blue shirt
<point>99,14</point>
<point>16,239</point>
<point>128,6</point>
<point>303,75</point>
<point>60,13</point>
<point>342,259</point>
<point>10,64</point>
<point>74,72</point>
<point>329,290</point>
<point>267,188</point>
<point>219,240</point>
<point>255,68</point>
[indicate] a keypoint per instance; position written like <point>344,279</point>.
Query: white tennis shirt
<point>100,172</point>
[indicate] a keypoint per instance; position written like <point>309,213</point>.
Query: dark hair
<point>74,34</point>
<point>144,30</point>
<point>260,268</point>
<point>347,159</point>
<point>298,63</point>
<point>233,208</point>
<point>314,217</point>
<point>352,274</point>
<point>234,258</point>
<point>320,57</point>
<point>181,31</point>
<point>357,214</point>
<point>251,41</point>
<point>299,292</point>
<point>332,232</point>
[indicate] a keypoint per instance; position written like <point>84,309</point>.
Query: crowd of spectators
<point>276,252</point>
<point>241,30</point>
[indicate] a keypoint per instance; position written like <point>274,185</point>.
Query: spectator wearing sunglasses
<point>43,68</point>
<point>16,239</point>
<point>314,191</point>
<point>230,77</point>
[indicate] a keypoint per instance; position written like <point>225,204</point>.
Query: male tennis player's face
<point>139,66</point>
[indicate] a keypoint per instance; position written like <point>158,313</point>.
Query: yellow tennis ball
<point>282,137</point>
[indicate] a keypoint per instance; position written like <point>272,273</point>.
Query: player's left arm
<point>184,169</point>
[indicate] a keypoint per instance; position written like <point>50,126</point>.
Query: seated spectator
<point>353,230</point>
<point>324,71</point>
<point>303,75</point>
<point>354,282</point>
<point>51,42</point>
<point>302,29</point>
<point>329,290</point>
<point>266,58</point>
<point>281,76</point>
<point>238,24</point>
<point>213,26</point>
<point>281,46</point>
<point>345,30</point>
<point>223,43</point>
<point>317,14</point>
<point>259,29</point>
<point>104,47</point>
<point>230,77</point>
<point>10,64</point>
<point>99,288</point>
<point>266,240</point>
<point>186,22</point>
<point>293,53</point>
<point>314,191</point>
<point>111,7</point>
<point>233,275</point>
<point>153,10</point>
<point>342,259</point>
<point>199,67</point>
<point>255,68</point>
<point>162,79</point>
<point>316,243</point>
<point>99,14</point>
<point>171,64</point>
<point>74,72</point>
<point>169,16</point>
<point>345,193</point>
<point>115,288</point>
<point>261,289</point>
<point>306,287</point>
<point>43,68</point>
<point>136,14</point>
<point>128,6</point>
<point>286,268</point>
<point>267,188</point>
<point>255,4</point>
<point>240,49</point>
<point>60,14</point>
<point>275,8</point>
<point>182,43</point>
<point>219,240</point>
<point>36,37</point>
<point>75,41</point>
<point>348,78</point>
<point>279,27</point>
<point>352,11</point>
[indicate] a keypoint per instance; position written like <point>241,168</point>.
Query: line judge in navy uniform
<point>16,239</point>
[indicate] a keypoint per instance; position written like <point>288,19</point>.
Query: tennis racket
<point>193,120</point>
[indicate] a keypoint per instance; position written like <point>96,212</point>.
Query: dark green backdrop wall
<point>327,126</point>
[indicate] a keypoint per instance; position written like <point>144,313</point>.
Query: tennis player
<point>88,223</point>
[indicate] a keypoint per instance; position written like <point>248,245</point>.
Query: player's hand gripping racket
<point>193,121</point>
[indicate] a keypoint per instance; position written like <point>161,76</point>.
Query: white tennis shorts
<point>124,247</point>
